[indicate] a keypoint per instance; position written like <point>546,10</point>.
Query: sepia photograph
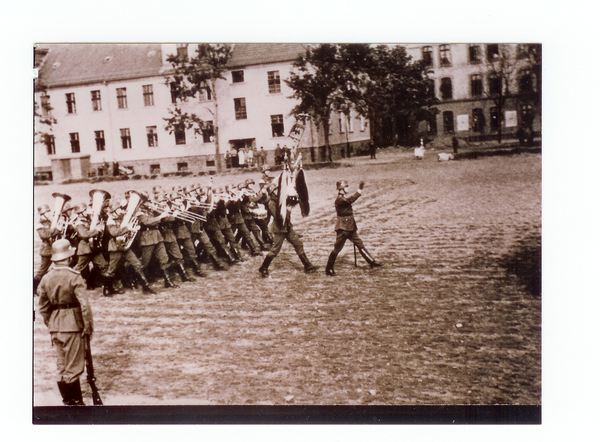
<point>279,226</point>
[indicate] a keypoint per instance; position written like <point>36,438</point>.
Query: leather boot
<point>308,267</point>
<point>218,263</point>
<point>370,260</point>
<point>330,263</point>
<point>229,256</point>
<point>184,274</point>
<point>75,392</point>
<point>264,268</point>
<point>145,285</point>
<point>64,392</point>
<point>168,283</point>
<point>198,269</point>
<point>237,253</point>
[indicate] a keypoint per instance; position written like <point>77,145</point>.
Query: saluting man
<point>346,228</point>
<point>66,311</point>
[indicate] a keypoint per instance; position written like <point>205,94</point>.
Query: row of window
<point>475,53</point>
<point>525,84</point>
<point>478,120</point>
<point>273,80</point>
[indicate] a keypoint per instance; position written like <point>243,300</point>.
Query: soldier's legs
<point>363,251</point>
<point>160,252</point>
<point>295,241</point>
<point>245,234</point>
<point>70,355</point>
<point>204,242</point>
<point>233,244</point>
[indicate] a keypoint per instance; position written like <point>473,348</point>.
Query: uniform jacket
<point>149,233</point>
<point>343,207</point>
<point>276,226</point>
<point>181,230</point>
<point>46,234</point>
<point>63,286</point>
<point>84,234</point>
<point>166,228</point>
<point>113,226</point>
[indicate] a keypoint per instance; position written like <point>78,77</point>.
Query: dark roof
<point>71,64</point>
<point>247,54</point>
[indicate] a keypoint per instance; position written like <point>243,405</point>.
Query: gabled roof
<point>72,64</point>
<point>248,54</point>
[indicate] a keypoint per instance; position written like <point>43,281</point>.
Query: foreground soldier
<point>346,228</point>
<point>282,232</point>
<point>67,314</point>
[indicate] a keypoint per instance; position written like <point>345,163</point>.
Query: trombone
<point>181,215</point>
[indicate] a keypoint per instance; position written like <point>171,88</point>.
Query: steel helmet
<point>342,184</point>
<point>61,249</point>
<point>44,208</point>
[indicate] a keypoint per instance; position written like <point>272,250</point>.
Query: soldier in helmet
<point>46,235</point>
<point>346,228</point>
<point>66,311</point>
<point>283,230</point>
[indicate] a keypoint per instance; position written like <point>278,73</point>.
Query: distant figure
<point>455,144</point>
<point>228,159</point>
<point>250,157</point>
<point>242,157</point>
<point>445,156</point>
<point>420,151</point>
<point>521,136</point>
<point>372,150</point>
<point>278,155</point>
<point>116,171</point>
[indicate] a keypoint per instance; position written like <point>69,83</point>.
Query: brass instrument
<point>136,200</point>
<point>98,198</point>
<point>186,216</point>
<point>60,200</point>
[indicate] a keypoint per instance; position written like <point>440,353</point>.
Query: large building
<point>467,79</point>
<point>109,102</point>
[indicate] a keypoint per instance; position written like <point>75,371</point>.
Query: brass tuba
<point>136,200</point>
<point>60,200</point>
<point>98,199</point>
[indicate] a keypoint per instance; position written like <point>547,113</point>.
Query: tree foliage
<point>191,77</point>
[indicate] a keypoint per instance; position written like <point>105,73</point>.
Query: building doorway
<point>239,158</point>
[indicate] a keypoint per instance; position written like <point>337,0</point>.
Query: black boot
<point>198,269</point>
<point>185,277</point>
<point>330,263</point>
<point>237,253</point>
<point>370,260</point>
<point>145,285</point>
<point>230,258</point>
<point>218,263</point>
<point>64,392</point>
<point>264,268</point>
<point>308,267</point>
<point>168,283</point>
<point>71,393</point>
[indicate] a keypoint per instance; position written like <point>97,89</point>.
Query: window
<point>182,52</point>
<point>180,134</point>
<point>205,94</point>
<point>182,167</point>
<point>494,84</point>
<point>474,54</point>
<point>448,117</point>
<point>274,82</point>
<point>152,136</point>
<point>445,58</point>
<point>431,88</point>
<point>526,115</point>
<point>154,169</point>
<point>363,123</point>
<point>427,52</point>
<point>525,81</point>
<point>432,126</point>
<point>478,120</point>
<point>100,142</point>
<point>492,52</point>
<point>240,108</point>
<point>341,119</point>
<point>50,144</point>
<point>350,124</point>
<point>45,105</point>
<point>71,108</point>
<point>237,76</point>
<point>208,132</point>
<point>494,119</point>
<point>174,91</point>
<point>96,101</point>
<point>125,139</point>
<point>122,97</point>
<point>446,88</point>
<point>277,125</point>
<point>476,85</point>
<point>148,95</point>
<point>210,161</point>
<point>74,139</point>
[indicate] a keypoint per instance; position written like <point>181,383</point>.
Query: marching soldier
<point>85,254</point>
<point>151,244</point>
<point>46,233</point>
<point>66,311</point>
<point>346,228</point>
<point>172,246</point>
<point>283,231</point>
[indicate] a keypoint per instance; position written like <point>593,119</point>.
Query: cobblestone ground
<point>454,316</point>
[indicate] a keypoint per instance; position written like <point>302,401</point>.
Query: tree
<point>191,77</point>
<point>500,64</point>
<point>326,79</point>
<point>397,87</point>
<point>42,114</point>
